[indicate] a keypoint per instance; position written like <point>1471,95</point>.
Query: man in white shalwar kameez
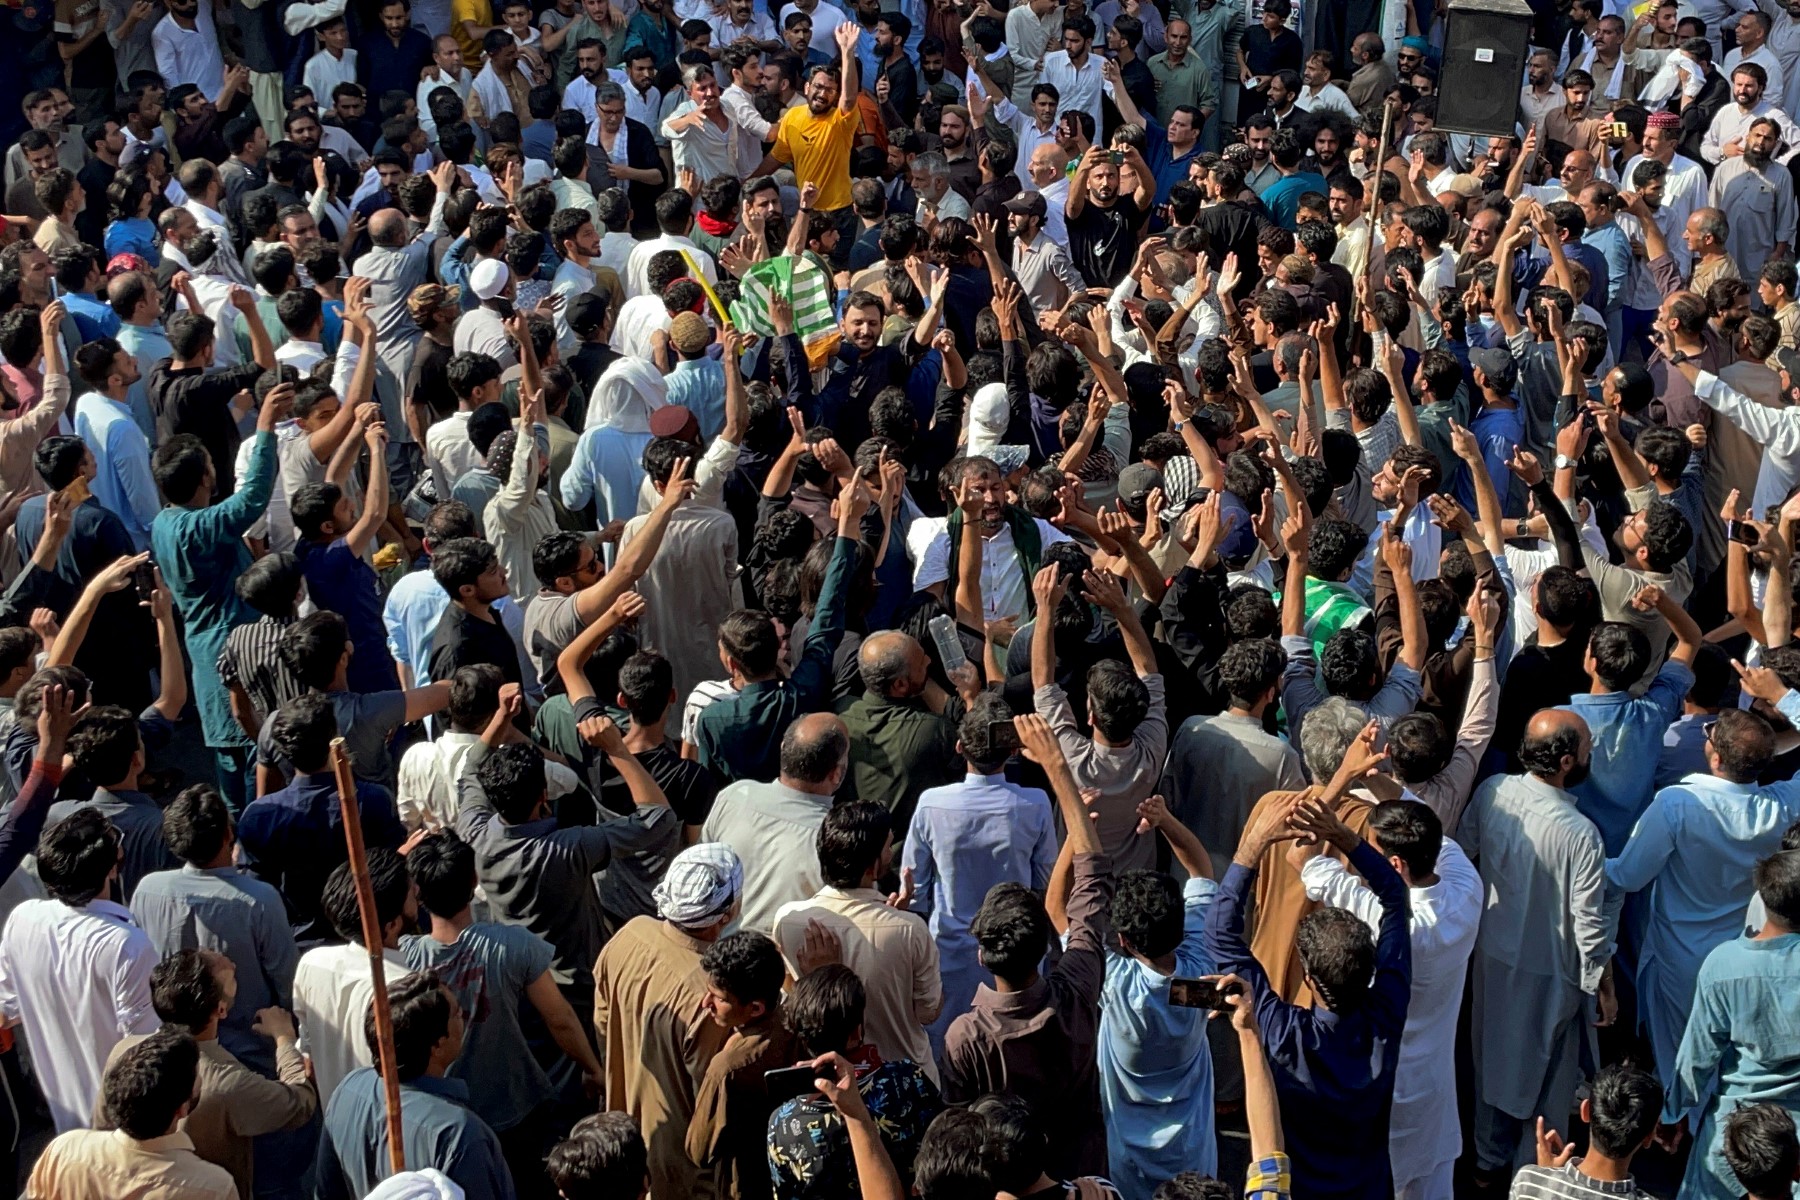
<point>1424,1136</point>
<point>1545,942</point>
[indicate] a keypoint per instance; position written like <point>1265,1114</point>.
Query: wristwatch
<point>1677,357</point>
<point>1521,529</point>
<point>1564,462</point>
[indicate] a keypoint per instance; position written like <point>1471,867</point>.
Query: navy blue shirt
<point>1334,1071</point>
<point>294,838</point>
<point>385,67</point>
<point>338,578</point>
<point>439,1129</point>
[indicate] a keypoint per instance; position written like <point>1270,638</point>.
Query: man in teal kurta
<point>1742,1044</point>
<point>200,548</point>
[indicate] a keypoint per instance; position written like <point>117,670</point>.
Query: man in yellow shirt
<point>470,21</point>
<point>816,139</point>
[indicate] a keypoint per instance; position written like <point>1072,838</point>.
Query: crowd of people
<point>920,599</point>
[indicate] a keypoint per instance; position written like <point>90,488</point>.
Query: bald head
<point>892,665</point>
<point>388,228</point>
<point>813,751</point>
<point>1557,747</point>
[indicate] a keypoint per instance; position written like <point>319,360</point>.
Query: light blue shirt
<point>609,465</point>
<point>1697,895</point>
<point>965,838</point>
<point>1615,247</point>
<point>122,482</point>
<point>1683,750</point>
<point>1741,1045</point>
<point>411,615</point>
<point>699,386</point>
<point>1156,1079</point>
<point>149,345</point>
<point>239,916</point>
<point>1628,736</point>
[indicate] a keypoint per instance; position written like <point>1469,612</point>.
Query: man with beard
<point>816,140</point>
<point>1714,95</point>
<point>1574,126</point>
<point>1345,199</point>
<point>959,153</point>
<point>187,47</point>
<point>1683,187</point>
<point>1041,264</point>
<point>1725,136</point>
<point>1169,149</point>
<point>1373,76</point>
<point>1317,93</point>
<point>893,69</point>
<point>1103,224</point>
<point>1756,198</point>
<point>1181,77</point>
<point>741,21</point>
<point>1029,130</point>
<point>1541,960</point>
<point>862,367</point>
<point>1540,96</point>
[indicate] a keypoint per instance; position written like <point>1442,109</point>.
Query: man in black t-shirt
<point>1103,224</point>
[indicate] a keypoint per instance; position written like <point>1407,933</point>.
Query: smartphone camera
<point>1743,533</point>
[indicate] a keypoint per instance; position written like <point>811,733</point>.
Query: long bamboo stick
<point>371,925</point>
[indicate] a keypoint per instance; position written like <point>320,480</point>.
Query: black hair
<point>391,885</point>
<point>1667,535</point>
<point>747,966</point>
<point>1543,754</point>
<point>422,1009</point>
<point>1621,652</point>
<point>443,865</point>
<point>1147,912</point>
<point>1332,548</point>
<point>103,742</point>
<point>271,585</point>
<point>184,991</point>
<point>851,839</point>
<point>1625,1101</point>
<point>1762,1150</point>
<point>1338,952</point>
<point>825,1008</point>
<point>197,825</point>
<point>1349,664</point>
<point>1409,831</point>
<point>1118,700</point>
<point>512,777</point>
<point>147,1086</point>
<point>312,646</point>
<point>460,563</point>
<point>1012,931</point>
<point>603,1158</point>
<point>303,731</point>
<point>952,1162</point>
<point>58,460</point>
<point>983,756</point>
<point>76,855</point>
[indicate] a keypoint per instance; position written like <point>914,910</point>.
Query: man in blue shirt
<point>438,1128</point>
<point>77,272</point>
<point>1282,198</point>
<point>1334,1063</point>
<point>392,62</point>
<point>1628,730</point>
<point>1169,149</point>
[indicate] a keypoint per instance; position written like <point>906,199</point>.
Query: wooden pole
<point>371,925</point>
<point>1369,210</point>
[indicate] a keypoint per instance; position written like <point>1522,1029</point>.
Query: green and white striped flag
<point>805,287</point>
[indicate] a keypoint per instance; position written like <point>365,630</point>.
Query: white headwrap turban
<point>701,885</point>
<point>428,1184</point>
<point>626,395</point>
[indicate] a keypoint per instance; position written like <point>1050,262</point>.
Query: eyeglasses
<point>613,112</point>
<point>1707,728</point>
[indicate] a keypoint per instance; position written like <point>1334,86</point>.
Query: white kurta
<point>1423,1132</point>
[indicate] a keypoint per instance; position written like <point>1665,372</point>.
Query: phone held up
<point>1201,993</point>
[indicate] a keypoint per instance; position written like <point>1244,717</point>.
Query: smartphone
<point>143,578</point>
<point>1743,533</point>
<point>55,289</point>
<point>1003,735</point>
<point>78,490</point>
<point>785,1083</point>
<point>1200,993</point>
<point>1616,129</point>
<point>1115,157</point>
<point>949,645</point>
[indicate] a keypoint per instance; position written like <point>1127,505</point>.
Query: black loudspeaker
<point>1485,44</point>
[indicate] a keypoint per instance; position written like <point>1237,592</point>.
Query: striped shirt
<point>252,660</point>
<point>1568,1183</point>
